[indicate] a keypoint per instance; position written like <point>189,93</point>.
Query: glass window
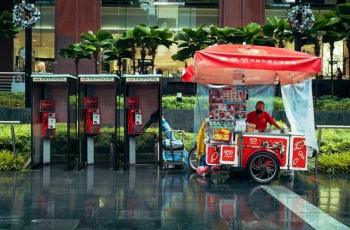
<point>119,18</point>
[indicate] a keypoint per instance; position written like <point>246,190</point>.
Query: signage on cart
<point>253,140</point>
<point>221,135</point>
<point>228,154</point>
<point>227,104</point>
<point>212,155</point>
<point>217,124</point>
<point>299,154</point>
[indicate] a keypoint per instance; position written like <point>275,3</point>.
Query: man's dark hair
<point>261,102</point>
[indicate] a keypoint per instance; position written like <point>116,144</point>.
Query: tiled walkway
<point>146,198</point>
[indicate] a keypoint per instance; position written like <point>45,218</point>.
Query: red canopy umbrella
<point>188,74</point>
<point>234,64</point>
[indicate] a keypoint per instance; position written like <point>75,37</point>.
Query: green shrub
<point>8,162</point>
<point>335,163</point>
<point>334,150</point>
<point>187,139</point>
<point>278,104</point>
<point>335,141</point>
<point>170,102</point>
<point>8,99</point>
<point>22,135</point>
<point>324,103</point>
<point>333,104</point>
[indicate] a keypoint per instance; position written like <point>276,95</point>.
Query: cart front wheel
<point>263,167</point>
<point>192,159</point>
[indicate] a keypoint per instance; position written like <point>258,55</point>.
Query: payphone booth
<point>142,113</point>
<point>54,120</point>
<point>98,119</point>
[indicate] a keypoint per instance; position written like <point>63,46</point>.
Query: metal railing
<point>13,137</point>
<point>319,138</point>
<point>16,76</point>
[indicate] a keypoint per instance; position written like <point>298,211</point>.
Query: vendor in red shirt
<point>260,118</point>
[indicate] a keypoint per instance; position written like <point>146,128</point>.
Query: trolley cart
<point>226,71</point>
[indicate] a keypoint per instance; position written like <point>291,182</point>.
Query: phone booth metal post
<point>142,109</point>
<point>97,119</point>
<point>54,129</point>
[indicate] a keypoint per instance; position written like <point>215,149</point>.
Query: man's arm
<point>272,121</point>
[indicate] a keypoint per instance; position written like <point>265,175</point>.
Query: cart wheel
<point>192,159</point>
<point>263,167</point>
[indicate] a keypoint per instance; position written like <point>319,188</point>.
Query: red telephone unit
<point>134,115</point>
<point>47,118</point>
<point>92,116</point>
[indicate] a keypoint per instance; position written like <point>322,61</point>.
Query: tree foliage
<point>95,43</point>
<point>7,27</point>
<point>76,51</point>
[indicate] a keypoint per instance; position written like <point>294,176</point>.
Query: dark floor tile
<point>145,198</point>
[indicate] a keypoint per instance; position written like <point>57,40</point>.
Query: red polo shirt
<point>260,120</point>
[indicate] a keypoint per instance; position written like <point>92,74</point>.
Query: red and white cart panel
<point>290,149</point>
<point>276,144</point>
<point>298,153</point>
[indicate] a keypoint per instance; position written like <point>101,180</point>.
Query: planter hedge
<point>9,163</point>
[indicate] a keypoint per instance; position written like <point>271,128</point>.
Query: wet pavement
<point>147,198</point>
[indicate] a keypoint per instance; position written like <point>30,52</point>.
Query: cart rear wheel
<point>263,167</point>
<point>192,159</point>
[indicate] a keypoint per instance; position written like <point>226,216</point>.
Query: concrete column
<point>90,147</point>
<point>132,150</point>
<point>46,151</point>
<point>241,12</point>
<point>73,17</point>
<point>6,44</point>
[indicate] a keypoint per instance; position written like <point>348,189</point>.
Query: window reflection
<point>118,19</point>
<point>118,16</point>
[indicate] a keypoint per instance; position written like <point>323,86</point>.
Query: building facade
<point>64,20</point>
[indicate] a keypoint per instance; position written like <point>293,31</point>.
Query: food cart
<point>226,73</point>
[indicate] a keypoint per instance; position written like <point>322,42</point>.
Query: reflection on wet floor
<point>146,198</point>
